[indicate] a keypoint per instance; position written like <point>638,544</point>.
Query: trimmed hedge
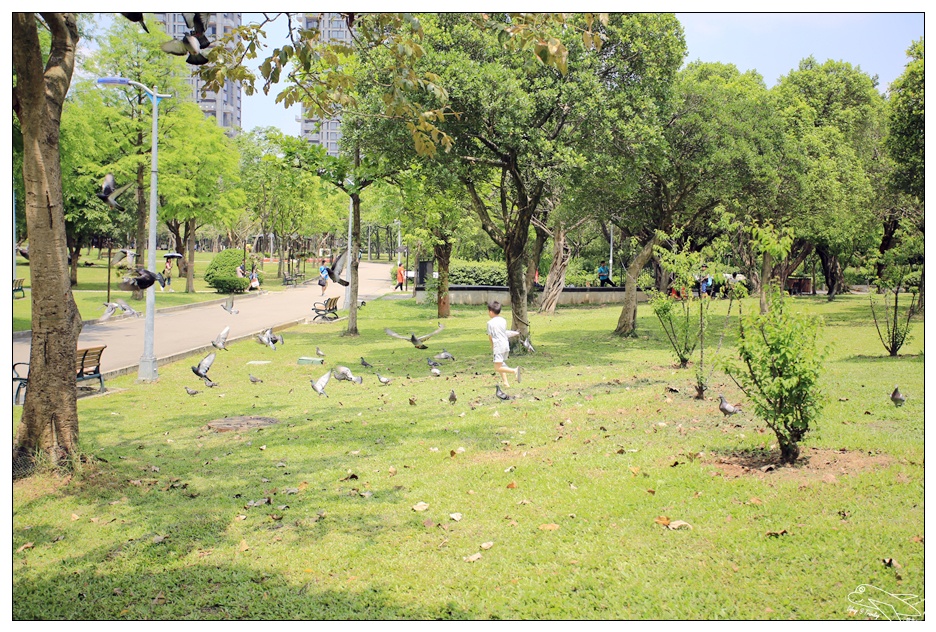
<point>221,273</point>
<point>477,272</point>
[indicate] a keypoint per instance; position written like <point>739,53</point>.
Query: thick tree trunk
<point>555,278</point>
<point>536,254</point>
<point>190,264</point>
<point>627,321</point>
<point>832,271</point>
<point>74,250</point>
<point>50,417</point>
<point>443,256</point>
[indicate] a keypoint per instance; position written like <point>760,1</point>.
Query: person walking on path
<point>604,275</point>
<point>323,277</point>
<point>399,278</point>
<point>167,276</point>
<point>500,345</point>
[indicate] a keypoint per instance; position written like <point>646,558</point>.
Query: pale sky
<point>770,43</point>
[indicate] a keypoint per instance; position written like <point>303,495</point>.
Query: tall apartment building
<point>325,132</point>
<point>225,106</point>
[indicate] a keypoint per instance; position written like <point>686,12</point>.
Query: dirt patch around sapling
<point>230,424</point>
<point>813,464</point>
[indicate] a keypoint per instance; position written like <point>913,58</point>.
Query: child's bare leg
<point>503,369</point>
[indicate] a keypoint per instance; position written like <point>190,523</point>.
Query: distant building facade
<point>325,132</point>
<point>224,106</point>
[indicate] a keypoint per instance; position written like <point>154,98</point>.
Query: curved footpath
<point>182,331</point>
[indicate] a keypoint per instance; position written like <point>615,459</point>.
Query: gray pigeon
<point>367,364</point>
<point>218,343</point>
<point>344,373</point>
<point>445,355</point>
<point>122,304</point>
<point>229,305</point>
<point>436,372</point>
<point>109,192</point>
<point>122,254</point>
<point>382,379</point>
<point>897,398</point>
<point>319,352</point>
<point>432,362</point>
<point>726,408</point>
<point>191,391</point>
<point>269,339</point>
<point>141,279</point>
<point>527,345</point>
<point>209,383</point>
<point>416,341</point>
<point>254,380</point>
<point>501,394</point>
<point>136,17</point>
<point>319,385</point>
<point>111,308</point>
<point>452,397</point>
<point>190,44</point>
<point>202,369</point>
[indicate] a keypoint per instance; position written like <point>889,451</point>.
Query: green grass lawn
<point>91,291</point>
<point>560,492</point>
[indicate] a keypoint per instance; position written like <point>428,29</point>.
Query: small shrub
<point>221,273</point>
<point>477,272</point>
<point>896,329</point>
<point>779,370</point>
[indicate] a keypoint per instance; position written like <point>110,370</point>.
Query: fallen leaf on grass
<point>28,545</point>
<point>428,522</point>
<point>392,471</point>
<point>679,524</point>
<point>473,558</point>
<point>917,538</point>
<point>486,545</point>
<point>455,516</point>
<point>75,517</point>
<point>420,506</point>
<point>756,501</point>
<point>512,485</point>
<point>776,534</point>
<point>663,520</point>
<point>549,527</point>
<point>157,539</point>
<point>243,545</point>
<point>240,517</point>
<point>159,599</point>
<point>634,470</point>
<point>651,491</point>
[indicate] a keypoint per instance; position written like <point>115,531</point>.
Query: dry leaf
<point>455,516</point>
<point>663,520</point>
<point>634,470</point>
<point>428,522</point>
<point>512,485</point>
<point>473,558</point>
<point>549,527</point>
<point>651,492</point>
<point>776,534</point>
<point>76,517</point>
<point>420,506</point>
<point>240,517</point>
<point>392,471</point>
<point>28,545</point>
<point>459,450</point>
<point>486,545</point>
<point>243,545</point>
<point>158,538</point>
<point>159,599</point>
<point>679,524</point>
<point>756,501</point>
<point>263,447</point>
<point>917,538</point>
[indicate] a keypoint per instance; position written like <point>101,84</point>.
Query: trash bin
<point>424,272</point>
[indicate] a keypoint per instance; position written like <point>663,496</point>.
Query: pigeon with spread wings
<point>141,280</point>
<point>417,341</point>
<point>219,342</point>
<point>202,369</point>
<point>319,385</point>
<point>109,192</point>
<point>339,265</point>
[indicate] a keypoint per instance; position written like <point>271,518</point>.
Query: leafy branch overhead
<point>319,74</point>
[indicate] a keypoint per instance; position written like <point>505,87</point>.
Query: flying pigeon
<point>726,408</point>
<point>512,333</point>
<point>338,264</point>
<point>254,380</point>
<point>193,42</point>
<point>436,372</point>
<point>191,391</point>
<point>202,369</point>
<point>363,303</point>
<point>432,362</point>
<point>111,308</point>
<point>268,338</point>
<point>109,192</point>
<point>319,385</point>
<point>319,352</point>
<point>897,398</point>
<point>367,364</point>
<point>229,306</point>
<point>527,345</point>
<point>445,355</point>
<point>122,254</point>
<point>136,17</point>
<point>141,280</point>
<point>344,373</point>
<point>452,397</point>
<point>416,341</point>
<point>198,22</point>
<point>383,380</point>
<point>501,394</point>
<point>122,304</point>
<point>218,343</point>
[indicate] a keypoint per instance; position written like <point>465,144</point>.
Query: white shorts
<point>501,356</point>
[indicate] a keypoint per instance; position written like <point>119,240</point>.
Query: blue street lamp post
<point>147,372</point>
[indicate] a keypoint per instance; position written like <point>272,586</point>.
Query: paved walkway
<point>183,330</point>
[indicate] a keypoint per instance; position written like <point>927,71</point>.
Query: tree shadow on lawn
<point>813,464</point>
<point>917,357</point>
<point>210,591</point>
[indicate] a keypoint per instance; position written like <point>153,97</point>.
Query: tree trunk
<point>49,421</point>
<point>516,279</point>
<point>831,270</point>
<point>766,267</point>
<point>353,250</point>
<point>443,256</point>
<point>627,321</point>
<point>190,266</point>
<point>555,278</point>
<point>888,241</point>
<point>74,250</point>
<point>536,254</point>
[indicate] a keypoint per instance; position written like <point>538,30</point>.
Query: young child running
<point>497,332</point>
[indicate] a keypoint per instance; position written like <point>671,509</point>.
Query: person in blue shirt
<point>705,282</point>
<point>323,277</point>
<point>603,275</point>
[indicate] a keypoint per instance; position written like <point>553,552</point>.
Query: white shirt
<point>497,330</point>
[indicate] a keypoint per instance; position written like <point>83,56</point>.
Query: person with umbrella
<point>167,271</point>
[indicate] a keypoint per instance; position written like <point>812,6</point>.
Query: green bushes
<point>221,273</point>
<point>477,272</point>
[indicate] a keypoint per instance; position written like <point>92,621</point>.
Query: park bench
<point>298,277</point>
<point>327,310</point>
<point>18,287</point>
<point>87,367</point>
